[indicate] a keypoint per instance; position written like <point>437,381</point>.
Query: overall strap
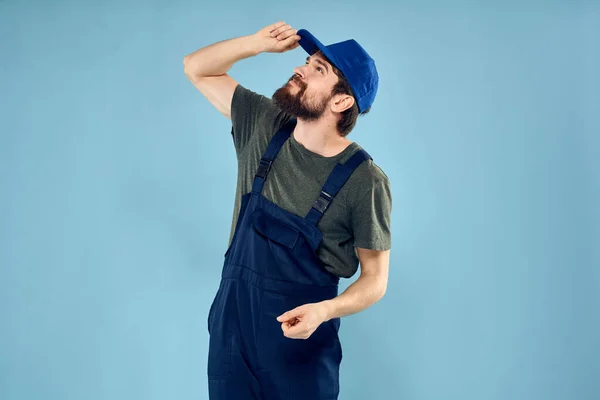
<point>270,154</point>
<point>334,183</point>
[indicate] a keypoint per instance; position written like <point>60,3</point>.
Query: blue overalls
<point>272,267</point>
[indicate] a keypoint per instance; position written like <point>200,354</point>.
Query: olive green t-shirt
<point>359,215</point>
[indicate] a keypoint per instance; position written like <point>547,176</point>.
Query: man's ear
<point>341,102</point>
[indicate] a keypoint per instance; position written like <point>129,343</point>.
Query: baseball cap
<point>353,61</point>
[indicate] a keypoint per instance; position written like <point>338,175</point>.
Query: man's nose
<point>299,71</point>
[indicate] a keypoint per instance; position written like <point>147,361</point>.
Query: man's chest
<point>294,183</point>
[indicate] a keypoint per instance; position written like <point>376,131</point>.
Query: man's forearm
<point>216,59</point>
<point>367,290</point>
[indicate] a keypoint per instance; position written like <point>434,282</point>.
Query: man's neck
<point>320,137</point>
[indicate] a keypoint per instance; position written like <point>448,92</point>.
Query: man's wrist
<point>254,45</point>
<point>329,309</point>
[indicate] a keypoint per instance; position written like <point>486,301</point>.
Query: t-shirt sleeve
<point>250,111</point>
<point>371,217</point>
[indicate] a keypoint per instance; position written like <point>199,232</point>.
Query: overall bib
<point>272,267</point>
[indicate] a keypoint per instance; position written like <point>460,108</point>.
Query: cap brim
<point>309,42</point>
<point>311,45</point>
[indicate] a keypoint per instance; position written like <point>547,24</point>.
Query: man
<point>310,206</point>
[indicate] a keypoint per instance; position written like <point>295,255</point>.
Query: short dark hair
<point>348,117</point>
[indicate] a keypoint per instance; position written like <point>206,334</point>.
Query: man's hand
<point>277,38</point>
<point>302,321</point>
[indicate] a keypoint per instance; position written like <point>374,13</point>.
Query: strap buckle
<point>322,202</point>
<point>263,168</point>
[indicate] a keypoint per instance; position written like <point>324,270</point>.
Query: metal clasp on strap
<point>263,167</point>
<point>322,202</point>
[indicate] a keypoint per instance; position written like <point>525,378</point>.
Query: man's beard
<point>307,109</point>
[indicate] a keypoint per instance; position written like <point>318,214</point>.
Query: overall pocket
<point>274,229</point>
<point>273,249</point>
<point>314,361</point>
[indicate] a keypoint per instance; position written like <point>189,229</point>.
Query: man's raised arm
<point>207,67</point>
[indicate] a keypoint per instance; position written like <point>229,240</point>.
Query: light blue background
<point>117,183</point>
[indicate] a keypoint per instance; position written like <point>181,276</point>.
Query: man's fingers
<point>283,317</point>
<point>286,327</point>
<point>290,43</point>
<point>280,29</point>
<point>286,316</point>
<point>286,34</point>
<point>297,331</point>
<point>276,25</point>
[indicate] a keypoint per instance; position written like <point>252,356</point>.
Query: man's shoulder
<point>258,107</point>
<point>368,177</point>
<point>242,91</point>
<point>368,190</point>
<point>243,94</point>
<point>369,172</point>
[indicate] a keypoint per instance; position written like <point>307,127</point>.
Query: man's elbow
<point>189,69</point>
<point>379,288</point>
<point>382,290</point>
<point>186,66</point>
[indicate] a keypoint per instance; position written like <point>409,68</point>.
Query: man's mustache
<point>297,81</point>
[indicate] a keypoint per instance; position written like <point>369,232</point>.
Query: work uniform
<point>271,267</point>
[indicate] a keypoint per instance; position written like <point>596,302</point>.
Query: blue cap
<point>353,61</point>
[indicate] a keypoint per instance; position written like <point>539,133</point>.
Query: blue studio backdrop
<point>117,183</point>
